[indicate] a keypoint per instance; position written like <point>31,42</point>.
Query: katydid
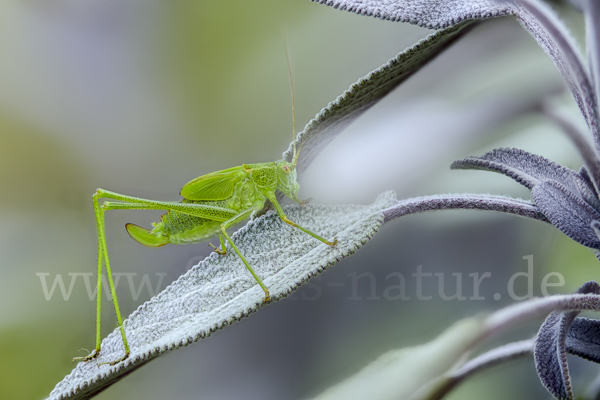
<point>211,204</point>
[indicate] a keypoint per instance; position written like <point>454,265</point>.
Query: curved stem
<point>556,41</point>
<point>519,313</point>
<point>501,204</point>
<point>499,355</point>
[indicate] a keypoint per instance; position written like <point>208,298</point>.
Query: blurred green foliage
<point>140,97</point>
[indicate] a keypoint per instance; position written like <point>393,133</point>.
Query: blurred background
<point>139,97</point>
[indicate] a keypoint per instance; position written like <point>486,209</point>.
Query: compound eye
<point>286,169</point>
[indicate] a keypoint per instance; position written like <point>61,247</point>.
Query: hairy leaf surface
<point>219,290</point>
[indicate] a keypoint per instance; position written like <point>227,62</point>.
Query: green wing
<point>214,186</point>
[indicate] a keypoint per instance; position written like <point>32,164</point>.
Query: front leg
<point>285,219</point>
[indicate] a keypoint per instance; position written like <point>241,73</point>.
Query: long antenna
<point>287,52</point>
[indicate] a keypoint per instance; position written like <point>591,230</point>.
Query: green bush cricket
<point>211,204</point>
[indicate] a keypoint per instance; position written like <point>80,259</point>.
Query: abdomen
<point>183,228</point>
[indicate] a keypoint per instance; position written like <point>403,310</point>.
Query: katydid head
<point>286,178</point>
